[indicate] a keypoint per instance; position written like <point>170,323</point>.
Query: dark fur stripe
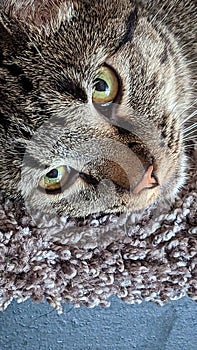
<point>130,28</point>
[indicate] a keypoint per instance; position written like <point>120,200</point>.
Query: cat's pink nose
<point>148,180</point>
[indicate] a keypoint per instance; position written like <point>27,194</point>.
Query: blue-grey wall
<point>30,326</point>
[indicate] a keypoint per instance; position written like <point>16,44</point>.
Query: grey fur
<point>47,68</point>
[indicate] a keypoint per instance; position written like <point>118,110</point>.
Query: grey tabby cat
<point>95,100</point>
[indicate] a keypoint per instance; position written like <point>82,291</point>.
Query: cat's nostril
<point>154,176</point>
<point>148,181</point>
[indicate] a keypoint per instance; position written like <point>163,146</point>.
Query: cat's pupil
<point>101,85</point>
<point>53,174</point>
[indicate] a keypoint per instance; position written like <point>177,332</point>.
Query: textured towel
<point>149,255</point>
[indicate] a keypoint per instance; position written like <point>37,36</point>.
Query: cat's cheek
<point>177,179</point>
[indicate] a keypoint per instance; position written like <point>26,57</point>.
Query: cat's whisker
<point>188,147</point>
<point>192,115</point>
<point>184,109</point>
<point>184,46</point>
<point>188,119</point>
<point>191,127</point>
<point>160,10</point>
<point>163,19</point>
<point>191,159</point>
<point>190,138</point>
<point>191,133</point>
<point>175,106</point>
<point>190,106</point>
<point>192,62</point>
<point>188,65</point>
<point>192,167</point>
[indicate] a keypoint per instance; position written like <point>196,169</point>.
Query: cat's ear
<point>43,16</point>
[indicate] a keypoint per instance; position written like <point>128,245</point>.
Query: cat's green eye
<point>54,179</point>
<point>105,87</point>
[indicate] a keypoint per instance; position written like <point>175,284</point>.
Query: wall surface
<point>30,326</point>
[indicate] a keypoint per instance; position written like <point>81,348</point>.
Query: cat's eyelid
<point>55,165</point>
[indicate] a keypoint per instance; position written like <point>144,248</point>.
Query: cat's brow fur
<point>50,54</point>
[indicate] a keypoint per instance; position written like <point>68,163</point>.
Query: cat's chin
<point>127,203</point>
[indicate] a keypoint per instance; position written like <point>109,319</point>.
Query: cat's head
<point>92,106</point>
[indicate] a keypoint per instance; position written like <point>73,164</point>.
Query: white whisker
<point>184,110</point>
<point>191,127</point>
<point>191,133</point>
<point>188,146</point>
<point>187,65</point>
<point>160,10</point>
<point>190,138</point>
<point>192,62</point>
<point>189,117</point>
<point>185,45</point>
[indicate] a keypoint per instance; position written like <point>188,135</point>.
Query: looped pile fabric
<point>149,255</point>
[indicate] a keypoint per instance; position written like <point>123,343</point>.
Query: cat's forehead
<point>98,28</point>
<point>105,21</point>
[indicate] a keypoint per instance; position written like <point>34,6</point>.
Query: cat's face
<point>91,104</point>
